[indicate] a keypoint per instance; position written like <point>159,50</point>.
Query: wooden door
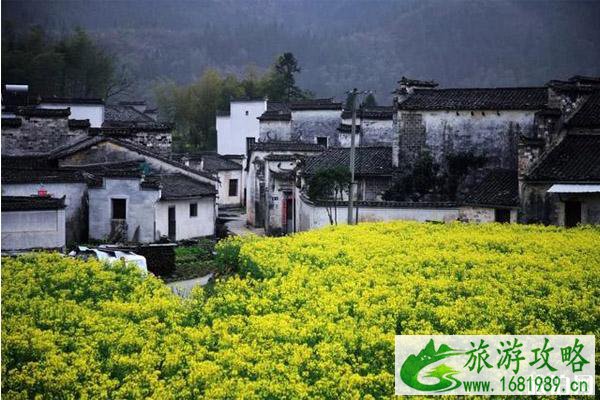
<point>172,224</point>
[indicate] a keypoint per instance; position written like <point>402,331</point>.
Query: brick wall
<point>412,137</point>
<point>39,135</point>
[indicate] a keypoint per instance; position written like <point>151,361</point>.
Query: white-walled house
<point>81,109</point>
<point>147,208</point>
<point>240,123</point>
<point>33,222</point>
<point>229,172</point>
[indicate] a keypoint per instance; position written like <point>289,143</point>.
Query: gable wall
<point>489,133</point>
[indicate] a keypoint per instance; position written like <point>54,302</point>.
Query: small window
<point>193,209</point>
<point>233,187</point>
<point>119,208</point>
<point>502,215</point>
<point>322,140</point>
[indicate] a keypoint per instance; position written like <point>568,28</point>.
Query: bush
<point>311,316</point>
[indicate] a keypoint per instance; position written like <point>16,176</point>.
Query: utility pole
<point>354,94</point>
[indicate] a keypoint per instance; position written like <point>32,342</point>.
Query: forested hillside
<point>339,44</point>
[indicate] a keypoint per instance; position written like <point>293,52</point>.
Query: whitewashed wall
<point>242,123</point>
<point>309,216</point>
<point>224,198</point>
<point>186,227</point>
<point>74,196</point>
<point>93,112</point>
<point>141,206</point>
<point>23,230</point>
<point>275,130</point>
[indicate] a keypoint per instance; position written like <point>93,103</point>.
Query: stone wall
<point>482,214</point>
<point>39,135</point>
<point>160,142</point>
<point>490,133</point>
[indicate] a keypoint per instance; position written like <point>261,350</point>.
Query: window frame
<point>229,186</point>
<point>326,140</point>
<point>194,210</point>
<point>114,200</point>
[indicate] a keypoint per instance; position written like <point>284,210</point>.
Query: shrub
<point>309,316</point>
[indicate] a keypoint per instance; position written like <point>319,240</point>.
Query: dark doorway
<point>502,215</point>
<point>172,224</point>
<point>259,218</point>
<point>572,213</point>
<point>289,215</point>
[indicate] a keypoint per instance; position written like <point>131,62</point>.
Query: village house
<point>528,154</point>
<point>228,169</point>
<point>271,181</point>
<point>559,168</point>
<point>117,182</point>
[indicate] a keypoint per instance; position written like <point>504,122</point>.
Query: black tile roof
<point>144,151</point>
<point>500,187</point>
<point>281,111</point>
<point>284,146</point>
<point>43,112</point>
<point>377,112</point>
<point>40,176</point>
<point>178,186</point>
<point>276,111</point>
<point>31,203</point>
<point>347,128</point>
<point>125,128</point>
<point>11,122</point>
<point>71,100</point>
<point>315,104</point>
<point>124,113</point>
<point>212,161</point>
<point>376,160</point>
<point>575,159</point>
<point>79,123</point>
<point>283,157</point>
<point>519,98</point>
<point>588,115</point>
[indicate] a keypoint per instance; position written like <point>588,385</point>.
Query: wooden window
<point>119,208</point>
<point>193,209</point>
<point>502,215</point>
<point>233,187</point>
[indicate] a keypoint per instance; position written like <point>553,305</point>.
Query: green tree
<point>369,101</point>
<point>329,185</point>
<point>73,66</point>
<point>281,83</point>
<point>192,108</point>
